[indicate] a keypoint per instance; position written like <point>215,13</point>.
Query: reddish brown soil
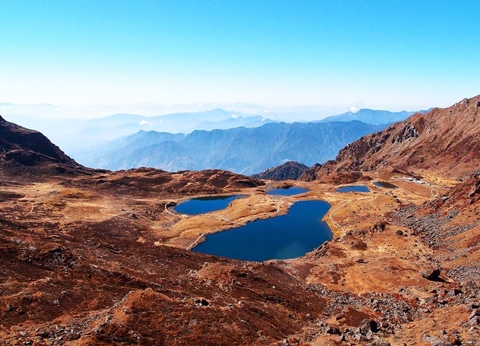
<point>96,257</point>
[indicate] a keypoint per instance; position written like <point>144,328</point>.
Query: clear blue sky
<point>379,54</point>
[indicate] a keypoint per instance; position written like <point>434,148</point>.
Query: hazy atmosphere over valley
<point>240,172</point>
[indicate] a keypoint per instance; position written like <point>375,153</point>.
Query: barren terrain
<point>96,257</point>
<point>75,254</point>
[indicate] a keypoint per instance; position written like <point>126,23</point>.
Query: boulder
<point>368,326</point>
<point>432,275</point>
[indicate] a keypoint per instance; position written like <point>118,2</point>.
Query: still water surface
<point>204,204</point>
<point>353,188</point>
<point>288,191</point>
<point>286,236</point>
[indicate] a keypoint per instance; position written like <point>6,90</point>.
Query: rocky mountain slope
<point>241,150</point>
<point>290,170</point>
<point>24,151</point>
<point>445,141</point>
<point>28,146</point>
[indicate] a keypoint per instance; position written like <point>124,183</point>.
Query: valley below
<point>100,260</point>
<point>95,257</point>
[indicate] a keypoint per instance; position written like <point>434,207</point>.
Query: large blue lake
<point>290,191</point>
<point>204,204</point>
<point>353,188</point>
<point>286,236</point>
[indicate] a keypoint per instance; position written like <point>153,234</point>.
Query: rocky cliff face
<point>444,140</point>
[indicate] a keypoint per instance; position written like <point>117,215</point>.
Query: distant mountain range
<point>73,134</point>
<point>242,150</point>
<point>217,138</point>
<point>370,116</point>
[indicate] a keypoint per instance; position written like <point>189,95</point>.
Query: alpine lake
<point>282,237</point>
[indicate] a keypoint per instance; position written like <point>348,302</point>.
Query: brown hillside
<point>445,141</point>
<point>28,147</point>
<point>25,152</point>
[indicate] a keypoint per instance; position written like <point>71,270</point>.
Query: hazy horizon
<point>99,58</point>
<point>289,114</point>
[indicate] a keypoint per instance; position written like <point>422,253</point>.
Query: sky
<point>353,54</point>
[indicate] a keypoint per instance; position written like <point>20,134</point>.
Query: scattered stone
<point>380,342</point>
<point>432,275</point>
<point>332,330</point>
<point>113,248</point>
<point>202,302</point>
<point>379,226</point>
<point>45,334</point>
<point>454,340</point>
<point>454,292</point>
<point>368,326</point>
<point>474,318</point>
<point>399,232</point>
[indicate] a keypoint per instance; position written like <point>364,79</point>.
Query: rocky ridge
<point>28,147</point>
<point>443,140</point>
<point>28,152</point>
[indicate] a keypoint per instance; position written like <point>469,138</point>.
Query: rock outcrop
<point>290,170</point>
<point>444,140</point>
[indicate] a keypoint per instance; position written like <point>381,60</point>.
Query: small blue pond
<point>290,191</point>
<point>385,185</point>
<point>353,188</point>
<point>204,204</point>
<point>286,236</point>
